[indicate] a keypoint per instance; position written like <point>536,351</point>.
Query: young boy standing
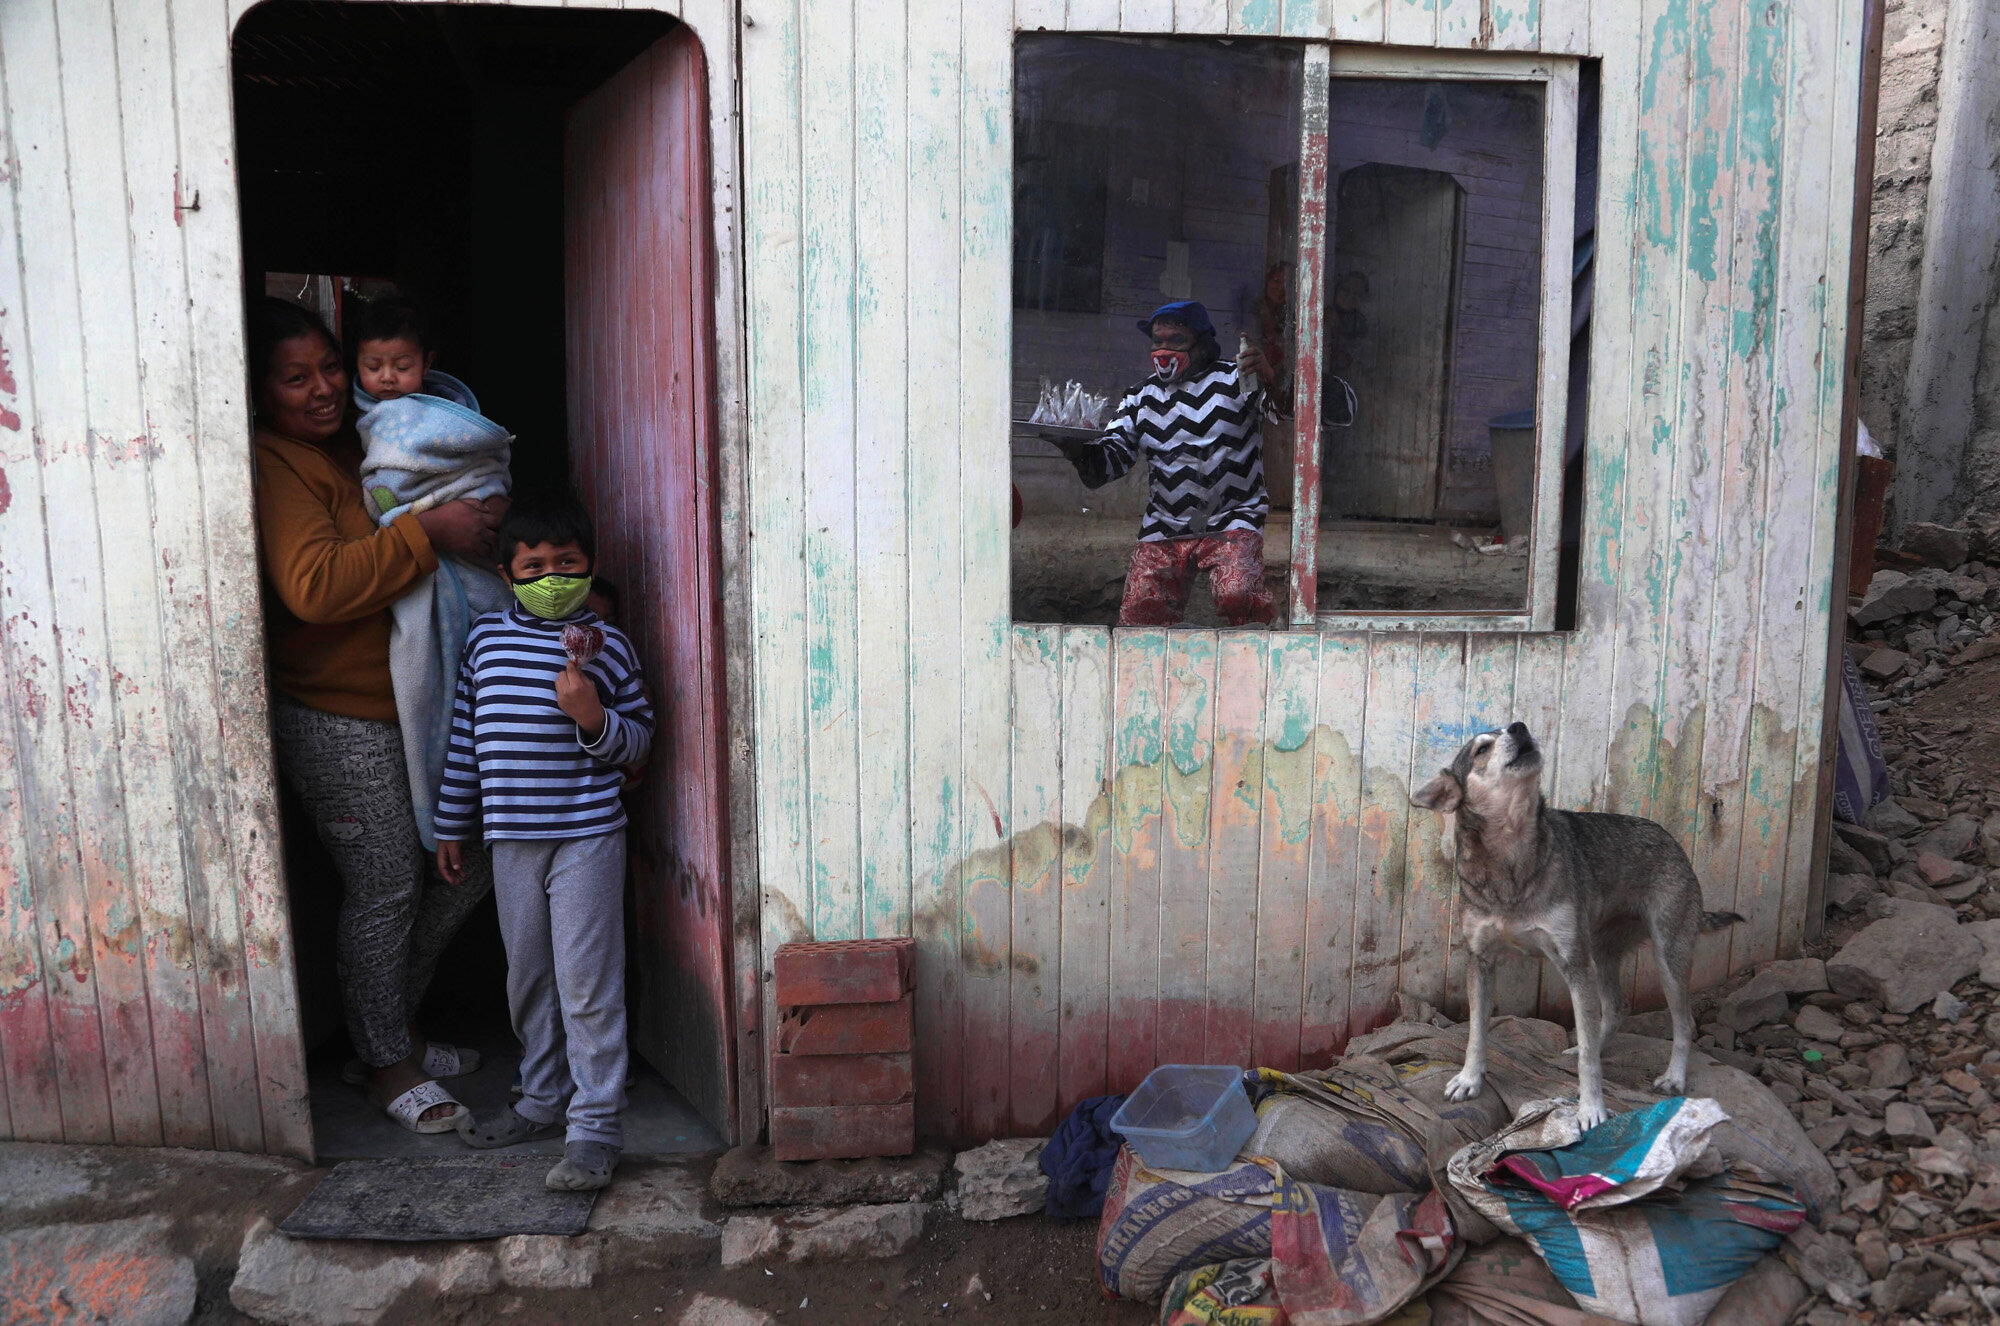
<point>549,706</point>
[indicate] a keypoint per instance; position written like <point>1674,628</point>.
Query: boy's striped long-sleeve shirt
<point>518,766</point>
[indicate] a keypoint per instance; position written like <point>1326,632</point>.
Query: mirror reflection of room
<point>1155,182</point>
<point>1162,176</point>
<point>1433,317</point>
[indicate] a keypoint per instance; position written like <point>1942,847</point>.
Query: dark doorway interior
<point>420,148</point>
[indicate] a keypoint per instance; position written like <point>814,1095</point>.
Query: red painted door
<point>642,444</point>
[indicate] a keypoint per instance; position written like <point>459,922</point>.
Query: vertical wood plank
<point>248,905</point>
<point>937,784</point>
<point>1255,18</point>
<point>1040,831</point>
<point>1333,885</point>
<point>1538,701</point>
<point>1686,709</point>
<point>1516,25</point>
<point>1284,866</point>
<point>1653,403</point>
<point>1490,668</point>
<point>1138,659</point>
<point>1201,16</point>
<point>54,652</point>
<point>1381,850</point>
<point>1309,19</point>
<point>1745,349</point>
<point>1093,15</point>
<point>1565,27</point>
<point>1303,572</point>
<point>1190,718</point>
<point>132,903</point>
<point>182,872</point>
<point>1410,22</point>
<point>1559,152</point>
<point>1464,24</point>
<point>827,56</point>
<point>30,1059</point>
<point>1438,725</point>
<point>1087,848</point>
<point>1037,15</point>
<point>1823,114</point>
<point>985,266</point>
<point>1359,20</point>
<point>881,459</point>
<point>1590,717</point>
<point>773,231</point>
<point>1235,861</point>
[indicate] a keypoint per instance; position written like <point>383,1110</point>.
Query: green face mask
<point>552,597</point>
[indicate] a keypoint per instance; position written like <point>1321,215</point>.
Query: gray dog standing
<point>1582,889</point>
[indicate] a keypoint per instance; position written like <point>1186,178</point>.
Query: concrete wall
<point>1931,349</point>
<point>1912,41</point>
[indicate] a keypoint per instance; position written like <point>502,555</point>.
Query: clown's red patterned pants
<point>1163,571</point>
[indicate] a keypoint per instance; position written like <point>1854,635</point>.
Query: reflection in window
<point>1432,317</point>
<point>1146,172</point>
<point>1152,171</point>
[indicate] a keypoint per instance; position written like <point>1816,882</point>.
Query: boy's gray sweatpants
<point>562,915</point>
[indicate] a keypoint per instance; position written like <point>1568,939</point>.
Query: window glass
<point>1431,346</point>
<point>1146,172</point>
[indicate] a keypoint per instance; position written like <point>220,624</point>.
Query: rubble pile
<point>1908,629</point>
<point>1887,1048</point>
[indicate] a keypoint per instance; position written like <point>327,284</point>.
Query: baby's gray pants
<point>562,915</point>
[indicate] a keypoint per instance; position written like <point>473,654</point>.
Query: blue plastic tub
<point>1187,1116</point>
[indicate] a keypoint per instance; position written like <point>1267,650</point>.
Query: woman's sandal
<point>440,1060</point>
<point>585,1167</point>
<point>408,1109</point>
<point>505,1128</point>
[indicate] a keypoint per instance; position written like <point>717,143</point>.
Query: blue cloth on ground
<point>1079,1160</point>
<point>422,450</point>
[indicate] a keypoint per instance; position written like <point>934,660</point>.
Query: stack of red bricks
<point>841,1085</point>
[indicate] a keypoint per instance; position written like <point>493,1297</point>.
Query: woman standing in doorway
<point>333,574</point>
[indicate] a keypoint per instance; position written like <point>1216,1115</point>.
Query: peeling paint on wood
<point>1112,846</point>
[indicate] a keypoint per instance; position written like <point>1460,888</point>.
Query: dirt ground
<point>1028,1270</point>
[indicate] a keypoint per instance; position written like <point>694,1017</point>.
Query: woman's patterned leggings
<point>396,916</point>
<point>1163,571</point>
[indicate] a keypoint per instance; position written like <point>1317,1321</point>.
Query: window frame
<point>1559,76</point>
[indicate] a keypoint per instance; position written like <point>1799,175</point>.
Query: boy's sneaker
<point>584,1166</point>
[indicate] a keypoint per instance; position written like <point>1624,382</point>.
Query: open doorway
<point>537,181</point>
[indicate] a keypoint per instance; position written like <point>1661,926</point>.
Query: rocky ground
<point>1886,1043</point>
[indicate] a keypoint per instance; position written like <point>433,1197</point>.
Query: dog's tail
<point>1719,921</point>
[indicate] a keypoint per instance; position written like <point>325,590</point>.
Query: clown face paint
<point>1170,365</point>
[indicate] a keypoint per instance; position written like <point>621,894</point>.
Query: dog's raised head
<point>1493,787</point>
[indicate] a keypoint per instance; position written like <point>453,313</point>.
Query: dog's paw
<point>1465,1085</point>
<point>1590,1113</point>
<point>1669,1085</point>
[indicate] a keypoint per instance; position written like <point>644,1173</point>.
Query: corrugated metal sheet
<point>1124,848</point>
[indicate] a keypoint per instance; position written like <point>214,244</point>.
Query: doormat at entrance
<point>452,1197</point>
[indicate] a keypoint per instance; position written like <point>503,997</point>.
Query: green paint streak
<point>1762,133</point>
<point>1260,16</point>
<point>1288,774</point>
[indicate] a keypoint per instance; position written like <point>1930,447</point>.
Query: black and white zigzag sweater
<point>1199,437</point>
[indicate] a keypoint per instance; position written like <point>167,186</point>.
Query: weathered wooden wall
<point>146,985</point>
<point>1119,849</point>
<point>1114,848</point>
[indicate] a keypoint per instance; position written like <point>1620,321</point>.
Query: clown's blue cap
<point>1187,310</point>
